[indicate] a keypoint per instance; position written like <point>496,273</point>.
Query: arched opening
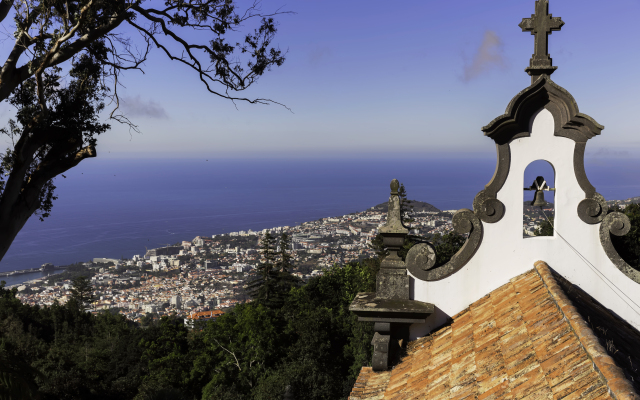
<point>538,209</point>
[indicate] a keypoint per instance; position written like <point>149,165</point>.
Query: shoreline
<point>27,277</point>
<point>5,274</point>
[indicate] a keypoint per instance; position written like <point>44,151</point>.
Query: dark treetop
<point>541,24</point>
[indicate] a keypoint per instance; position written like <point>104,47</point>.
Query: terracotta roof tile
<point>524,340</point>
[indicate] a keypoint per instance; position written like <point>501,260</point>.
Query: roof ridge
<point>620,388</point>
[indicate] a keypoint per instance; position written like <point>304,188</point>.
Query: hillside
<point>624,202</point>
<point>418,206</point>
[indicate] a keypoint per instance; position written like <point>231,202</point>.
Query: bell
<point>538,199</point>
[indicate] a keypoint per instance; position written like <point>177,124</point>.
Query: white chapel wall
<point>504,253</point>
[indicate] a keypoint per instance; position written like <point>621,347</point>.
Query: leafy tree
<point>628,246</point>
<point>67,61</point>
<point>17,378</point>
<point>69,354</point>
<point>446,246</point>
<point>328,344</point>
<point>312,344</point>
<point>166,359</point>
<point>146,319</point>
<point>545,228</point>
<point>242,346</point>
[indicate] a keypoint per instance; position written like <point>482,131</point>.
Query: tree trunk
<point>23,190</point>
<point>12,222</point>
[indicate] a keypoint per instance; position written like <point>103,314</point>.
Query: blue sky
<point>411,78</point>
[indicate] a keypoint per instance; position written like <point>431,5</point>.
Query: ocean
<point>120,207</point>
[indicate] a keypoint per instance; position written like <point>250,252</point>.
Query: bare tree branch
<point>230,352</point>
<point>67,60</point>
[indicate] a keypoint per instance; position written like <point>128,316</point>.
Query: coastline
<point>149,203</point>
<point>28,277</point>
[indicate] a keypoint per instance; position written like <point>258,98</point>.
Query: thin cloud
<point>319,54</point>
<point>488,57</point>
<point>137,107</point>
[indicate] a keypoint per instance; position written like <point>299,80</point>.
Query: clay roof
<point>205,314</point>
<point>524,340</point>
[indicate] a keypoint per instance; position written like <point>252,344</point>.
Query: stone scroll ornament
<point>618,224</point>
<point>421,259</point>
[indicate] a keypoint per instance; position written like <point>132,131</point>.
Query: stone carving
<point>543,93</point>
<point>390,307</point>
<point>541,24</point>
<point>393,232</point>
<point>421,258</point>
<point>380,342</point>
<point>487,207</point>
<point>593,210</point>
<point>618,224</point>
<point>514,124</point>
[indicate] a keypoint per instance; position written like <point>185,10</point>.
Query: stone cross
<point>541,24</point>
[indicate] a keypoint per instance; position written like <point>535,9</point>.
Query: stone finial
<point>541,24</point>
<point>389,306</point>
<point>393,231</point>
<point>395,185</point>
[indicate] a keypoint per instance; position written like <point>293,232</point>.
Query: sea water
<point>117,208</point>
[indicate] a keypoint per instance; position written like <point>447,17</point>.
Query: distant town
<point>199,279</point>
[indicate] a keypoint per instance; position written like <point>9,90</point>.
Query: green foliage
<point>167,359</point>
<point>545,229</point>
<point>628,246</point>
<point>446,246</point>
<point>71,272</point>
<point>82,292</point>
<point>75,354</point>
<point>273,281</point>
<point>17,378</point>
<point>262,287</point>
<point>71,120</point>
<point>242,346</point>
<point>409,242</point>
<point>405,206</point>
<point>378,247</point>
<point>311,342</point>
<point>66,63</point>
<point>284,258</point>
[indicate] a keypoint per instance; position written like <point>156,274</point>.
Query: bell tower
<point>542,122</point>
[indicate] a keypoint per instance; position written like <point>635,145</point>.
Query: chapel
<point>512,317</point>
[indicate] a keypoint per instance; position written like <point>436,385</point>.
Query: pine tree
<point>262,287</point>
<point>274,279</point>
<point>377,246</point>
<point>405,207</point>
<point>82,292</point>
<point>284,258</point>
